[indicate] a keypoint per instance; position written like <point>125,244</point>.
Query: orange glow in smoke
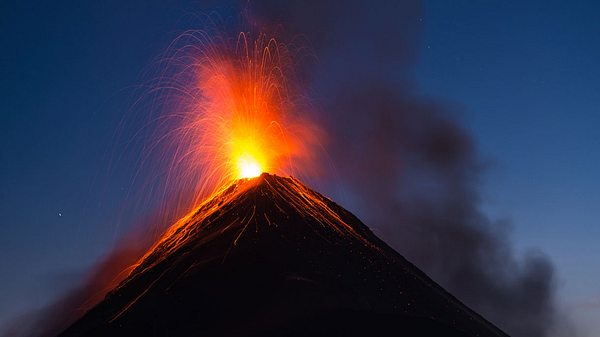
<point>244,119</point>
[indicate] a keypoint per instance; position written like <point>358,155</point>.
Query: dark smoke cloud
<point>407,168</point>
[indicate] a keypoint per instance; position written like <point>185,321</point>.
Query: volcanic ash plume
<point>406,167</point>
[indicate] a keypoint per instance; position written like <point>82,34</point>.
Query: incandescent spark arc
<point>240,116</point>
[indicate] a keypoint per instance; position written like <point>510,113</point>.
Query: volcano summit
<point>270,257</point>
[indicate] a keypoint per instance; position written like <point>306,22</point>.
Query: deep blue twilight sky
<point>523,76</point>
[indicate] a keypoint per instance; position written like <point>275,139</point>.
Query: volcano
<point>268,256</point>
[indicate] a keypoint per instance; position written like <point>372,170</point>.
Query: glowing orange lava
<point>248,166</point>
<point>242,118</point>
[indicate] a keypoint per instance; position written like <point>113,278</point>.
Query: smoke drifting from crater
<point>405,165</point>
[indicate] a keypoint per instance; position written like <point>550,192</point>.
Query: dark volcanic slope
<point>268,256</point>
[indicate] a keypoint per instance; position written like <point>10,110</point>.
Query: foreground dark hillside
<point>270,257</point>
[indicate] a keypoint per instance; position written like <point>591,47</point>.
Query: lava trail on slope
<point>268,256</point>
